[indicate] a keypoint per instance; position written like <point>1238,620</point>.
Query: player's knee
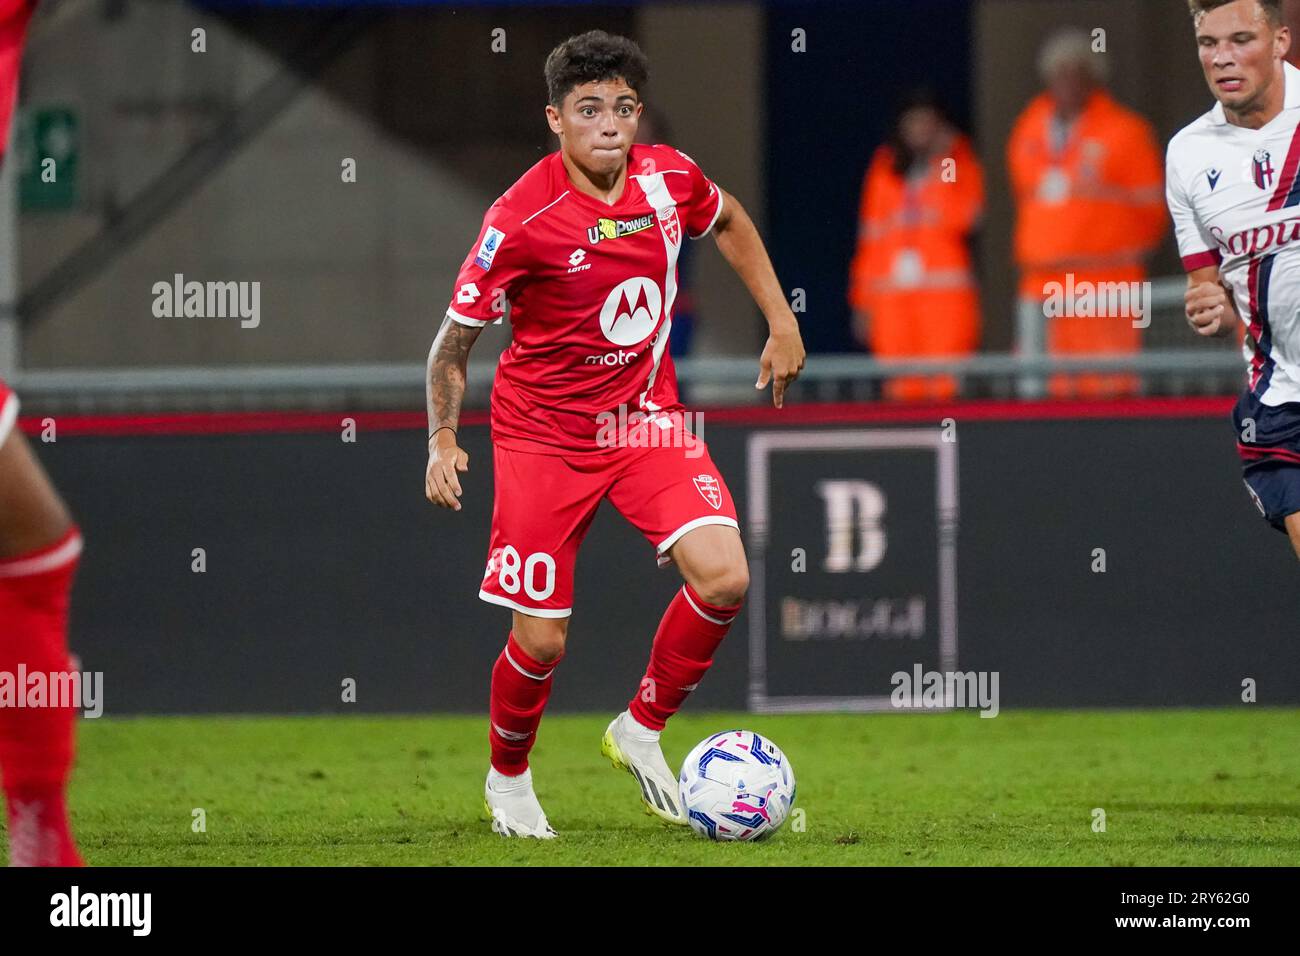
<point>726,586</point>
<point>542,638</point>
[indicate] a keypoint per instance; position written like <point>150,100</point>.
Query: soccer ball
<point>736,785</point>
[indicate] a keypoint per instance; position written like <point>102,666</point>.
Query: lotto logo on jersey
<point>467,293</point>
<point>575,261</point>
<point>617,229</point>
<point>631,311</point>
<point>487,249</point>
<point>710,490</point>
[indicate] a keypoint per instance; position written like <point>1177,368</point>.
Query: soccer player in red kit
<point>39,546</point>
<point>584,248</point>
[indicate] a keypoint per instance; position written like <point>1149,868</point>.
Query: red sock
<point>36,742</point>
<point>520,687</point>
<point>688,636</point>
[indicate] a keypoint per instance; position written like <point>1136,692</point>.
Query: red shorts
<point>545,504</point>
<point>8,411</point>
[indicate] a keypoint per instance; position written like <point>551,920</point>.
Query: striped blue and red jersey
<point>1234,194</point>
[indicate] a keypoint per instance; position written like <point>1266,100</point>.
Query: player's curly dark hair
<point>1272,8</point>
<point>590,58</point>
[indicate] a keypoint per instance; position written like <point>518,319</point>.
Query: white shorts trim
<point>671,540</point>
<point>64,554</point>
<point>466,320</point>
<point>8,415</point>
<point>534,611</point>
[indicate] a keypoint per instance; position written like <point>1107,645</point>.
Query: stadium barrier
<point>1089,554</point>
<point>720,380</point>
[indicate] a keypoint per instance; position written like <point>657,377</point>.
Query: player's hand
<point>441,486</point>
<point>780,362</point>
<point>1209,309</point>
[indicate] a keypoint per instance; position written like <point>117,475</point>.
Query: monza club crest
<point>671,225</point>
<point>710,490</point>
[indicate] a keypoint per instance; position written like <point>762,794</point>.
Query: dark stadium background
<point>323,559</point>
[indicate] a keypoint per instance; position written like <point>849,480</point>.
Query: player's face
<point>1241,53</point>
<point>597,124</point>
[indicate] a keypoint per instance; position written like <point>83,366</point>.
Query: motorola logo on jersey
<point>631,311</point>
<point>611,358</point>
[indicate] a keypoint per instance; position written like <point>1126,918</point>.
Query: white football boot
<point>512,806</point>
<point>634,748</point>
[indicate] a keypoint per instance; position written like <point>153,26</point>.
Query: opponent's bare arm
<point>1208,303</point>
<point>740,244</point>
<point>444,391</point>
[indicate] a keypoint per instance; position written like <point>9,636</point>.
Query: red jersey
<point>591,288</point>
<point>14,15</point>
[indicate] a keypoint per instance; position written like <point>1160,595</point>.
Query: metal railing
<point>704,380</point>
<point>1193,366</point>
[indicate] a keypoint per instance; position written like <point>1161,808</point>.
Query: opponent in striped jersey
<point>1233,185</point>
<point>584,249</point>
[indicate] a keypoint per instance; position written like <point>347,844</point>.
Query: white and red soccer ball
<point>736,785</point>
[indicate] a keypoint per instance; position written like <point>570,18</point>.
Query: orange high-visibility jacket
<point>1095,207</point>
<point>912,237</point>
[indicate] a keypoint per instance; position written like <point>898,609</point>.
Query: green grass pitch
<point>1178,787</point>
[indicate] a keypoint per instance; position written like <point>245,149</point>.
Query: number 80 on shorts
<point>515,573</point>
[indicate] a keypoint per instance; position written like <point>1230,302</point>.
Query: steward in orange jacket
<point>911,286</point>
<point>1088,181</point>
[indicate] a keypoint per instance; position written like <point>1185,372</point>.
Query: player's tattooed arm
<point>740,244</point>
<point>444,392</point>
<point>445,383</point>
